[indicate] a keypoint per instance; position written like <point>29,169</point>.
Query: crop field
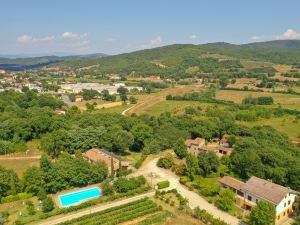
<point>238,96</point>
<point>119,214</point>
<point>173,107</point>
<point>147,101</point>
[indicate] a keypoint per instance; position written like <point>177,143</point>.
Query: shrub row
<point>242,89</point>
<point>207,218</point>
<point>124,185</point>
<point>19,196</point>
<point>139,163</point>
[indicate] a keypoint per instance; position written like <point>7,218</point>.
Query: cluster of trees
<point>123,185</point>
<point>204,96</point>
<point>150,86</point>
<point>267,100</point>
<point>52,176</point>
<point>268,154</point>
<point>203,164</point>
<point>24,117</point>
<point>292,74</point>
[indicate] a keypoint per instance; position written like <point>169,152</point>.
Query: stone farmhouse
<point>94,155</point>
<point>257,189</point>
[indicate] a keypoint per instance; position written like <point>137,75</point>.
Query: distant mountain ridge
<point>25,63</point>
<point>277,51</point>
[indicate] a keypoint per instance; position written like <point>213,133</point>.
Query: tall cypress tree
<point>120,168</point>
<point>112,172</point>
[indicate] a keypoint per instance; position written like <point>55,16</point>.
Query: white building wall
<point>281,207</point>
<point>284,204</point>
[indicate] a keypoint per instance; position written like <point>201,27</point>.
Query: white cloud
<point>110,39</point>
<point>258,38</point>
<point>156,41</point>
<point>289,34</point>
<point>193,37</point>
<point>68,34</point>
<point>27,39</point>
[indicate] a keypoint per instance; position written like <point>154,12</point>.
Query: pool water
<point>75,198</point>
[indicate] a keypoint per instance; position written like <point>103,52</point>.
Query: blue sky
<point>116,26</point>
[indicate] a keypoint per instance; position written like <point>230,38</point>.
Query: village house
<point>78,98</point>
<point>94,155</point>
<point>257,189</point>
<point>224,141</point>
<point>195,146</point>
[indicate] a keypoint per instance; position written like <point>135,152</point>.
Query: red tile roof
<point>266,190</point>
<point>232,182</point>
<point>95,155</point>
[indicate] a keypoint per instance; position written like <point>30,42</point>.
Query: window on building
<point>278,217</point>
<point>284,214</point>
<point>289,202</point>
<point>240,193</point>
<point>249,198</point>
<point>284,204</point>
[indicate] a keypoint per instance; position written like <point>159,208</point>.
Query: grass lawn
<point>132,156</point>
<point>14,209</point>
<point>19,165</point>
<point>283,124</point>
<point>20,161</point>
<point>174,107</point>
<point>179,217</point>
<point>116,109</point>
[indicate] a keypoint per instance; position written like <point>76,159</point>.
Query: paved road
<point>154,174</point>
<point>67,100</point>
<point>95,209</point>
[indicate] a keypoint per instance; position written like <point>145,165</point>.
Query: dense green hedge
<point>139,163</point>
<point>163,184</point>
<point>207,218</point>
<point>11,198</point>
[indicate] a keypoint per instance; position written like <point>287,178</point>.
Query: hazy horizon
<point>114,27</point>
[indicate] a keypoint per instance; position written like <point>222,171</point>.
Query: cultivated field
<point>238,96</point>
<point>147,101</point>
<point>173,107</point>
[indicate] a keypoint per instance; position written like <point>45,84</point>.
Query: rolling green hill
<point>174,59</point>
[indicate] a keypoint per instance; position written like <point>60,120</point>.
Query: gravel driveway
<point>155,174</point>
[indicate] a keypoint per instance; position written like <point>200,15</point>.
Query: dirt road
<point>155,174</point>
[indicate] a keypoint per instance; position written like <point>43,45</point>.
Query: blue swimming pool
<point>75,198</point>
